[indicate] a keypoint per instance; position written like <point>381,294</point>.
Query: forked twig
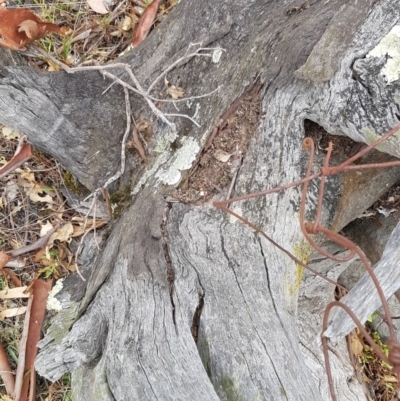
<point>313,228</point>
<point>138,89</point>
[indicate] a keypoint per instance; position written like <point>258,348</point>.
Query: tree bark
<point>128,334</point>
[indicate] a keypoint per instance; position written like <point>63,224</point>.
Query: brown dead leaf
<point>222,156</point>
<point>62,234</point>
<point>79,225</point>
<point>28,176</point>
<point>7,273</point>
<point>40,290</point>
<point>127,23</point>
<point>20,27</point>
<point>145,23</point>
<point>4,258</point>
<point>12,312</point>
<point>138,144</point>
<point>24,154</point>
<point>6,374</point>
<point>175,91</point>
<point>40,257</point>
<point>356,346</point>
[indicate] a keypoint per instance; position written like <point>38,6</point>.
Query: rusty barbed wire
<point>313,228</point>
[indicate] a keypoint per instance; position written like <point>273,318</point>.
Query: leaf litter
<point>89,32</point>
<point>37,224</point>
<point>37,228</point>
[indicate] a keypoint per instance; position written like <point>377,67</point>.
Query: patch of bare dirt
<point>219,161</point>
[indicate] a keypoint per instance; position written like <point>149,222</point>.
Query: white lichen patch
<point>389,45</point>
<point>165,140</point>
<point>216,56</point>
<point>183,160</point>
<point>52,302</point>
<point>163,158</point>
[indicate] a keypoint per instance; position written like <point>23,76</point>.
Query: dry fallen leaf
<point>62,234</point>
<point>28,175</point>
<point>4,258</point>
<point>40,290</point>
<point>98,6</point>
<point>175,91</point>
<point>24,154</point>
<point>45,228</point>
<point>12,312</point>
<point>81,229</point>
<point>12,190</point>
<point>9,133</point>
<point>20,27</point>
<point>12,293</point>
<point>7,375</point>
<point>138,10</point>
<point>40,257</point>
<point>127,23</point>
<point>356,346</point>
<point>145,23</point>
<point>34,194</point>
<point>222,156</point>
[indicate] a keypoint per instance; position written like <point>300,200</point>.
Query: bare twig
<point>40,243</point>
<point>186,58</point>
<point>183,116</point>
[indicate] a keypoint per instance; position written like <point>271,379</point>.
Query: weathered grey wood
<point>10,58</point>
<point>62,115</point>
<point>363,298</point>
<point>314,295</point>
<point>131,340</point>
<point>154,352</point>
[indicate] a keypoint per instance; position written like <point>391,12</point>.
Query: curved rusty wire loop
<point>324,340</point>
<point>315,227</point>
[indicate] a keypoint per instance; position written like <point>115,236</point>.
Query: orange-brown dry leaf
<point>145,23</point>
<point>20,27</point>
<point>40,290</point>
<point>4,258</point>
<point>6,373</point>
<point>22,156</point>
<point>40,257</point>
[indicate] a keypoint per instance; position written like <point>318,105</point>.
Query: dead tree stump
<point>182,302</point>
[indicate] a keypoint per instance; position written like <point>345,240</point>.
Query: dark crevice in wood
<point>196,318</point>
<point>170,270</point>
<point>267,274</point>
<point>343,147</point>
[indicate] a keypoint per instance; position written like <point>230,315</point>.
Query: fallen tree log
<point>182,302</point>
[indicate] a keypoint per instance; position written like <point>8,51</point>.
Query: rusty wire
<point>312,228</point>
